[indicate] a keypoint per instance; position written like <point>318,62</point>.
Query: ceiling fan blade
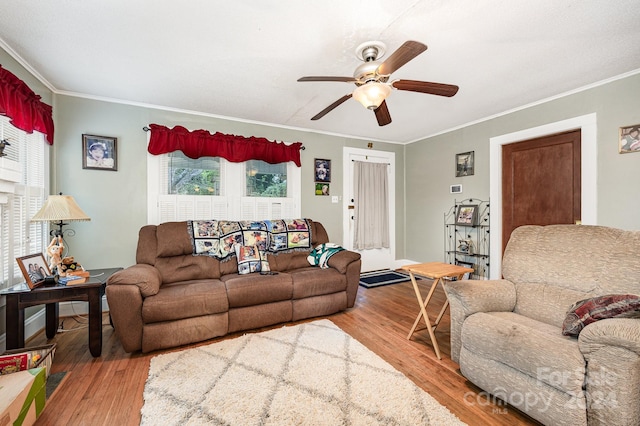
<point>426,87</point>
<point>409,50</point>
<point>328,78</point>
<point>382,114</point>
<point>331,107</point>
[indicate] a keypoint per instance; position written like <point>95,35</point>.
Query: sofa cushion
<point>188,267</point>
<point>546,303</point>
<point>314,281</point>
<point>173,239</point>
<point>318,233</point>
<point>228,266</point>
<point>532,347</point>
<point>251,259</point>
<point>185,300</point>
<point>147,245</point>
<point>256,289</point>
<point>289,261</point>
<point>586,311</point>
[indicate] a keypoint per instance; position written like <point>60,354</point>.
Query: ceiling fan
<point>372,79</point>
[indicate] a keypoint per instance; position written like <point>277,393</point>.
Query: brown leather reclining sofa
<point>171,297</point>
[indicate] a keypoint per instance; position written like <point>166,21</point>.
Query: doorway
<point>588,165</point>
<point>372,259</point>
<point>541,182</point>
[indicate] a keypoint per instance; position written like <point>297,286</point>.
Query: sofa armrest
<point>348,263</point>
<point>466,297</point>
<point>341,260</point>
<point>482,295</point>
<point>620,332</point>
<point>611,348</point>
<point>146,277</point>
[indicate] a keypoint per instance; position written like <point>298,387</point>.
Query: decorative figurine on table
<point>55,249</point>
<point>69,266</point>
<point>62,266</point>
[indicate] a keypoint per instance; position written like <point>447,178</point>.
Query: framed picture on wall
<point>322,170</point>
<point>322,188</point>
<point>34,269</point>
<point>99,152</point>
<point>629,139</point>
<point>464,164</point>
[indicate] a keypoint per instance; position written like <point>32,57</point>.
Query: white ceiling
<point>241,59</point>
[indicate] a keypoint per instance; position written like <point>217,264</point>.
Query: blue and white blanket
<point>320,255</point>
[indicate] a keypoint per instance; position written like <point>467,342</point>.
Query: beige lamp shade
<point>59,208</point>
<point>371,95</point>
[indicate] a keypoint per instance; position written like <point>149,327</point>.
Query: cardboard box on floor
<point>22,396</point>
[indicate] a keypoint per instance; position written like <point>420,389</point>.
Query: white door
<point>372,259</point>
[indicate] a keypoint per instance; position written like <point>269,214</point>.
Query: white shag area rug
<point>308,374</point>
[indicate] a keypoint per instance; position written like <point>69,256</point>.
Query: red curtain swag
<point>24,107</point>
<point>201,143</point>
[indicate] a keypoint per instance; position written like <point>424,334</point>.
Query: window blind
<point>20,200</point>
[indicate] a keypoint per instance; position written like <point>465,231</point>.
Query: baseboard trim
<point>399,263</point>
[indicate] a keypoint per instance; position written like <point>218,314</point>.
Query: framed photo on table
<point>99,152</point>
<point>34,269</point>
<point>467,215</point>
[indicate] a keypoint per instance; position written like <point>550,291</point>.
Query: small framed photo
<point>322,170</point>
<point>34,269</point>
<point>322,188</point>
<point>455,189</point>
<point>464,164</point>
<point>467,215</point>
<point>629,139</point>
<point>470,265</point>
<point>99,152</point>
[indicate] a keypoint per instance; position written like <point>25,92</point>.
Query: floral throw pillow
<point>251,259</point>
<point>586,311</point>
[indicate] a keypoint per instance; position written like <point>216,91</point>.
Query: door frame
<point>589,171</point>
<point>390,158</point>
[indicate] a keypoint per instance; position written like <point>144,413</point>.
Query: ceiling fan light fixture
<point>371,95</point>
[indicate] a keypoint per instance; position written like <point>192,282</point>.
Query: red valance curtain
<point>201,143</point>
<point>24,107</point>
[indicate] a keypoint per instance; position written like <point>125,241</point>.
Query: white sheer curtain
<point>371,196</point>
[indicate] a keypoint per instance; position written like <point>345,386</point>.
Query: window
<point>187,176</point>
<point>23,188</point>
<point>265,180</point>
<point>182,188</point>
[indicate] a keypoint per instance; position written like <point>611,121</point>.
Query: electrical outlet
<point>334,199</point>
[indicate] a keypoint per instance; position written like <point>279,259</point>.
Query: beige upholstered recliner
<point>507,334</point>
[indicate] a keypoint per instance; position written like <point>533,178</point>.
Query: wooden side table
<point>20,297</point>
<point>435,271</point>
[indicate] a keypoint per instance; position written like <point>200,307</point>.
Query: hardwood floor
<point>108,390</point>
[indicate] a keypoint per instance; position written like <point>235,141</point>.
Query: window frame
<point>231,204</point>
<point>21,198</point>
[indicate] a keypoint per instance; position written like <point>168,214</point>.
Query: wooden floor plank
<point>108,390</point>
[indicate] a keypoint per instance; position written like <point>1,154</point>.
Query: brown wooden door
<point>541,182</point>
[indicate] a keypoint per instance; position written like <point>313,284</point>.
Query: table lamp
<point>60,209</point>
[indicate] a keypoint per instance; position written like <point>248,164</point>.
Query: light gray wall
<point>116,201</point>
<point>430,163</point>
